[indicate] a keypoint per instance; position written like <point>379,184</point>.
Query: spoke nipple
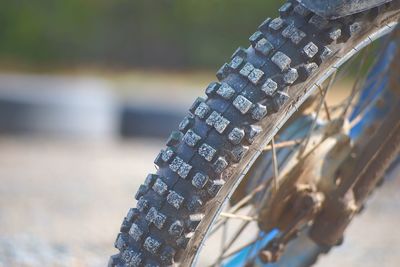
<point>266,256</point>
<point>272,253</point>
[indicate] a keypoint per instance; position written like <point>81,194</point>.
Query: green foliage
<point>128,33</point>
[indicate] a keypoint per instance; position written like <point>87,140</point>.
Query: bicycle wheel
<point>223,135</point>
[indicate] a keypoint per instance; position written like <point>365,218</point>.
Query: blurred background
<point>89,91</point>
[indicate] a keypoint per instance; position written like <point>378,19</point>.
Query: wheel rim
<point>204,227</point>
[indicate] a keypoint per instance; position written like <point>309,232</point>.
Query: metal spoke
<point>242,203</point>
<point>334,108</point>
<point>223,239</point>
<point>368,101</point>
<point>356,120</point>
<point>283,144</point>
<point>237,216</point>
<point>306,139</point>
<point>356,86</point>
<point>235,237</point>
<point>275,166</point>
<point>326,107</point>
<point>275,177</point>
<point>252,243</point>
<point>345,69</point>
<point>246,199</point>
<point>377,79</point>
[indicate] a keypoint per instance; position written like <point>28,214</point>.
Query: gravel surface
<point>61,204</point>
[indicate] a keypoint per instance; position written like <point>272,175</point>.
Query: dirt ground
<point>61,204</point>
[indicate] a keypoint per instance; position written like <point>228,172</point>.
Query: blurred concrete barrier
<point>149,120</point>
<point>57,106</point>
